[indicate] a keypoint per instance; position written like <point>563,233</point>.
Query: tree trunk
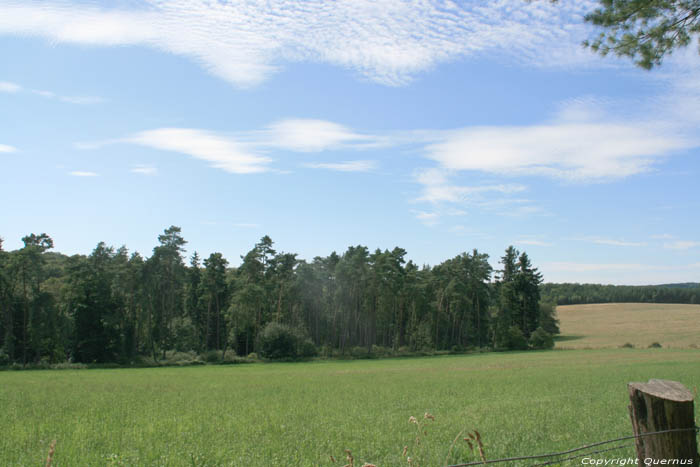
<point>661,405</point>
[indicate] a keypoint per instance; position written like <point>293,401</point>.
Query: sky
<point>433,125</point>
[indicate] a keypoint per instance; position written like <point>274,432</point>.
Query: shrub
<point>183,358</point>
<point>307,349</point>
<point>277,341</point>
<point>327,351</point>
<point>359,352</point>
<point>627,345</point>
<point>4,358</point>
<point>655,345</point>
<point>212,356</point>
<point>514,339</point>
<point>541,339</point>
<point>380,351</point>
<point>68,366</point>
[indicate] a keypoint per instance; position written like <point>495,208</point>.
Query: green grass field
<point>610,325</point>
<point>302,413</point>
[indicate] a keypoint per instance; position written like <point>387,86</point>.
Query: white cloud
<point>80,173</point>
<point>6,86</point>
<point>307,135</point>
<point>427,218</point>
<point>662,237</point>
<point>346,166</point>
<point>243,152</point>
<point>221,152</point>
<point>681,245</point>
<point>9,87</point>
<point>388,42</point>
<point>437,188</point>
<point>611,241</point>
<point>46,94</point>
<point>575,151</point>
<point>144,170</point>
<point>532,242</point>
<point>7,148</point>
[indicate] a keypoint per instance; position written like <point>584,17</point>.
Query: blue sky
<point>436,126</point>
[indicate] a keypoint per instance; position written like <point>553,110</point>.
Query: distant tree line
<point>573,294</point>
<point>113,306</point>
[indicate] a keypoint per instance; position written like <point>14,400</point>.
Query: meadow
<point>289,414</point>
<point>610,325</point>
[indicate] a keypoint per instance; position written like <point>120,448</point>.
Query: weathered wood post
<point>661,405</point>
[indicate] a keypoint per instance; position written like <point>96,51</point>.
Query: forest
<point>113,306</point>
<point>574,294</point>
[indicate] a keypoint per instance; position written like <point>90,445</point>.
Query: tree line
<point>573,294</point>
<point>116,306</point>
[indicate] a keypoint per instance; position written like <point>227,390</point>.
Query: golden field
<point>609,325</point>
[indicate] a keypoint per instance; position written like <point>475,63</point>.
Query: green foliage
<point>513,339</point>
<point>360,352</point>
<point>655,345</point>
<point>644,30</point>
<point>182,358</point>
<point>278,341</point>
<point>627,345</point>
<point>541,340</point>
<point>518,300</point>
<point>573,294</point>
<point>548,318</point>
<point>212,356</point>
<point>112,307</point>
<point>306,348</point>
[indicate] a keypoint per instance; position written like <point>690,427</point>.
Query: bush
<point>327,351</point>
<point>380,351</point>
<point>307,349</point>
<point>182,358</point>
<point>627,345</point>
<point>212,356</point>
<point>68,366</point>
<point>359,351</point>
<point>514,339</point>
<point>277,341</point>
<point>4,358</point>
<point>541,340</point>
<point>655,345</point>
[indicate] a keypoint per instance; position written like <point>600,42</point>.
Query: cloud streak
<point>681,245</point>
<point>6,148</point>
<point>14,88</point>
<point>388,42</point>
<point>308,135</point>
<point>220,151</point>
<point>564,150</point>
<point>6,86</point>
<point>436,188</point>
<point>346,166</point>
<point>144,170</point>
<point>612,242</point>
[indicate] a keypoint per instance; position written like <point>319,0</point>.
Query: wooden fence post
<point>663,405</point>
